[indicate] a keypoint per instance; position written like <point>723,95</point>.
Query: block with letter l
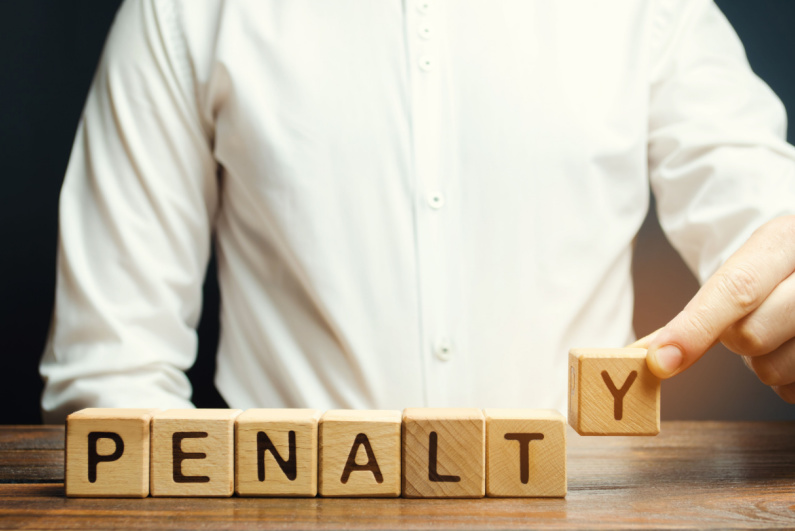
<point>193,452</point>
<point>613,392</point>
<point>444,453</point>
<point>107,452</point>
<point>276,452</point>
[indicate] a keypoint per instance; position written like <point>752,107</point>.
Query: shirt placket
<point>425,35</point>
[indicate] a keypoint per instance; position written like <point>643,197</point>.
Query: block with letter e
<point>359,453</point>
<point>613,392</point>
<point>525,453</point>
<point>276,452</point>
<point>444,453</point>
<point>193,452</point>
<point>107,452</point>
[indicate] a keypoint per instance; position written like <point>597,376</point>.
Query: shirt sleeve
<point>136,213</point>
<point>719,163</point>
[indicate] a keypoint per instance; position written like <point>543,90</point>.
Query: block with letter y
<point>613,392</point>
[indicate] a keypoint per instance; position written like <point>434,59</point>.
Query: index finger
<point>734,291</point>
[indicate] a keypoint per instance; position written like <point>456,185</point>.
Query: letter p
<point>94,458</point>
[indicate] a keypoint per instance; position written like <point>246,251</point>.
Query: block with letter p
<point>613,392</point>
<point>193,452</point>
<point>107,452</point>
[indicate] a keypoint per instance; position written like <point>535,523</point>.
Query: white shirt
<point>419,203</point>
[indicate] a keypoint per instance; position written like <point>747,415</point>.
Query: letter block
<point>444,453</point>
<point>107,453</point>
<point>193,452</point>
<point>360,453</point>
<point>276,452</point>
<point>525,453</point>
<point>612,392</point>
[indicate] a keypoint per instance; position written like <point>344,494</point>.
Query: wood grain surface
<point>525,453</point>
<point>366,444</point>
<point>692,475</point>
<point>444,453</point>
<point>260,432</point>
<point>613,392</point>
<point>121,469</point>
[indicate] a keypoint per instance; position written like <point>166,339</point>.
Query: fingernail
<point>668,358</point>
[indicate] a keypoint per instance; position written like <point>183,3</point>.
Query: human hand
<point>748,305</point>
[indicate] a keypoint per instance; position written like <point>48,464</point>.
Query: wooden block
<point>525,453</point>
<point>107,453</point>
<point>612,392</point>
<point>193,452</point>
<point>360,453</point>
<point>276,452</point>
<point>444,453</point>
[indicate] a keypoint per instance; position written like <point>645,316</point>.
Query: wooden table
<point>694,474</point>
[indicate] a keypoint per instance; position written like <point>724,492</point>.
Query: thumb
<point>679,344</point>
<point>645,341</point>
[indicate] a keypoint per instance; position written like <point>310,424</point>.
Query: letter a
<point>371,465</point>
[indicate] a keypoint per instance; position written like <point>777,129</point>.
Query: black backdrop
<point>48,52</point>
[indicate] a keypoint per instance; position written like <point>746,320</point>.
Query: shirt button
<point>436,200</point>
<point>426,63</point>
<point>423,6</point>
<point>443,349</point>
<point>425,32</point>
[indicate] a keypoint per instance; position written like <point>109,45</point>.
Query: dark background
<point>48,52</point>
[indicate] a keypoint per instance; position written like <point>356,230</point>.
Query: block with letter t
<point>107,452</point>
<point>613,392</point>
<point>525,453</point>
<point>359,453</point>
<point>193,452</point>
<point>276,452</point>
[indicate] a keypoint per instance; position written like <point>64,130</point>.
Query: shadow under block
<point>525,453</point>
<point>193,452</point>
<point>276,452</point>
<point>107,453</point>
<point>444,453</point>
<point>612,392</point>
<point>360,453</point>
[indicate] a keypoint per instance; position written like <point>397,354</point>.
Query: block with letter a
<point>612,392</point>
<point>444,453</point>
<point>107,453</point>
<point>525,453</point>
<point>359,453</point>
<point>193,452</point>
<point>276,452</point>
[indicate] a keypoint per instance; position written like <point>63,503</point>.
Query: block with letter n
<point>107,452</point>
<point>276,452</point>
<point>613,392</point>
<point>193,452</point>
